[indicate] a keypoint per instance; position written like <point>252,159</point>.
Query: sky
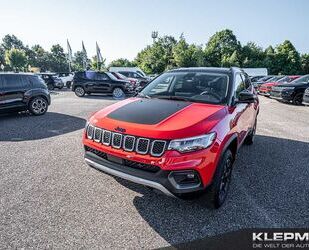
<point>123,28</point>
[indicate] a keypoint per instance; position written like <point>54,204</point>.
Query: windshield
<point>302,80</point>
<point>203,87</point>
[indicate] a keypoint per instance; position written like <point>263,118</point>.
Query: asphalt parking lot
<point>49,198</point>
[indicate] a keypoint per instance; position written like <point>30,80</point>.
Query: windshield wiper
<point>176,98</point>
<point>143,96</point>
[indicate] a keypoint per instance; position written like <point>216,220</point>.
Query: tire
<point>298,99</point>
<point>118,93</point>
<point>79,91</point>
<point>38,106</point>
<point>217,193</point>
<point>68,85</point>
<point>50,86</point>
<point>250,137</point>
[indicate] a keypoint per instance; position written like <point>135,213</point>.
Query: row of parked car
<point>118,81</point>
<point>293,89</point>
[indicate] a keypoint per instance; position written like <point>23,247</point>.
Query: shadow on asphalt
<point>269,189</point>
<point>25,127</point>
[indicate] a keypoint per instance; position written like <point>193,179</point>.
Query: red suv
<point>180,134</point>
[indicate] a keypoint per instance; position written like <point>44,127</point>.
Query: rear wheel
<point>220,186</point>
<point>79,91</point>
<point>298,99</point>
<point>118,93</point>
<point>68,85</point>
<point>38,106</point>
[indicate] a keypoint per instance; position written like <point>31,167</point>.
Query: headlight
<point>288,88</point>
<point>192,143</point>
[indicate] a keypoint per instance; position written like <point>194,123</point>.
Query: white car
<point>66,78</point>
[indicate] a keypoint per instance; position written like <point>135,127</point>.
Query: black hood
<point>147,111</point>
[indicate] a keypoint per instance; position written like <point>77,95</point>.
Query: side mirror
<point>246,97</point>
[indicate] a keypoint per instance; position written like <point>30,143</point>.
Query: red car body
<point>231,124</point>
<point>266,88</point>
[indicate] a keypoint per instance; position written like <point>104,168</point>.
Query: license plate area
<point>115,159</point>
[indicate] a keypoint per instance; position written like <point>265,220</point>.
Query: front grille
<point>116,140</point>
<point>129,142</point>
<point>157,147</point>
<point>107,135</point>
<point>142,146</point>
<point>97,134</point>
<point>127,163</point>
<point>126,142</point>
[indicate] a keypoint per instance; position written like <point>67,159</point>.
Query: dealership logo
<point>280,240</point>
<point>122,130</point>
<point>280,236</point>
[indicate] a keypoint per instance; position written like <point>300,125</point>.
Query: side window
<point>127,74</point>
<point>239,85</point>
<point>14,81</point>
<point>101,77</point>
<point>1,85</point>
<point>247,81</point>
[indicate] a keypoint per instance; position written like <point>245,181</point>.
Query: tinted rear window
<point>13,81</point>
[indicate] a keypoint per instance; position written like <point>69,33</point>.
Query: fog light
<point>184,179</point>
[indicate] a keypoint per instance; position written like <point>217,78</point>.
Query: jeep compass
<point>180,134</point>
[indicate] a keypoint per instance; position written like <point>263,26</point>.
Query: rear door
<point>15,87</point>
<point>103,83</point>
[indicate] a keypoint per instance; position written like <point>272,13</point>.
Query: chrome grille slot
<point>97,134</point>
<point>106,138</point>
<point>157,147</point>
<point>128,143</point>
<point>116,140</point>
<point>142,145</point>
<point>90,130</point>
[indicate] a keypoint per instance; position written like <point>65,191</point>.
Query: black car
<point>141,79</point>
<point>291,92</point>
<point>52,80</point>
<point>88,82</point>
<point>306,97</point>
<point>20,92</point>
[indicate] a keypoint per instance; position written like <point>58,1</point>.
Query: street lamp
<point>154,35</point>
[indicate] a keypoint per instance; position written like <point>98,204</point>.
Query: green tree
<point>221,46</point>
<point>121,62</point>
<point>57,59</point>
<point>231,61</point>
<point>78,61</point>
<point>94,64</point>
<point>305,63</point>
<point>16,59</point>
<point>252,56</point>
<point>157,57</point>
<point>287,59</point>
<point>270,60</point>
<point>186,55</point>
<point>11,41</point>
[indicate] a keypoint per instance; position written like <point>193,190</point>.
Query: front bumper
<point>161,180</point>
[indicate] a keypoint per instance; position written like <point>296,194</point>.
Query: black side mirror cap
<point>246,97</point>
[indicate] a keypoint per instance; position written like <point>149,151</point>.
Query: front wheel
<point>298,99</point>
<point>38,106</point>
<point>118,93</point>
<point>219,188</point>
<point>79,91</point>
